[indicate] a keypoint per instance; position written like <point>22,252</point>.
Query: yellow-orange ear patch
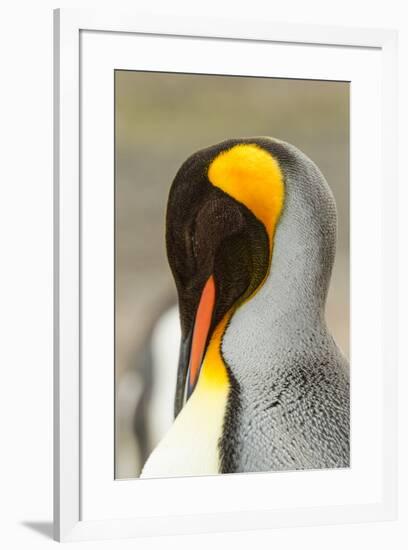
<point>251,176</point>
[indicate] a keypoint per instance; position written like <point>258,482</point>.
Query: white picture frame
<point>85,51</point>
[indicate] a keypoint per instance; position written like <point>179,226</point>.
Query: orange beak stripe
<point>200,333</point>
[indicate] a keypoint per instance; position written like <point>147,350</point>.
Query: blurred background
<point>161,119</point>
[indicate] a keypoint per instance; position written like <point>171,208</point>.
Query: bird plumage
<point>284,402</point>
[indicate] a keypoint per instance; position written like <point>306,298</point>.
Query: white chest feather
<point>191,446</point>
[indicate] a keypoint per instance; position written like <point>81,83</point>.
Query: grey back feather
<point>290,404</point>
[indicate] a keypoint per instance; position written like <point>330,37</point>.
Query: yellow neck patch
<point>213,372</point>
<point>252,176</point>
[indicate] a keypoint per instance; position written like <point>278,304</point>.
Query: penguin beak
<point>200,333</point>
<point>193,349</point>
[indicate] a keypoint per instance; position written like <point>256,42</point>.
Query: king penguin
<point>261,384</point>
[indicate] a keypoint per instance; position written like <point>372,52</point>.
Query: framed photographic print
<point>225,265</point>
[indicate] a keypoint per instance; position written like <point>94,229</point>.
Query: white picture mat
<point>102,496</point>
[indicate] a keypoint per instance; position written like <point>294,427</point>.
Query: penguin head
<point>225,210</point>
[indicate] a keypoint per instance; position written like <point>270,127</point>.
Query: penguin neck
<point>302,258</point>
<point>289,306</point>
